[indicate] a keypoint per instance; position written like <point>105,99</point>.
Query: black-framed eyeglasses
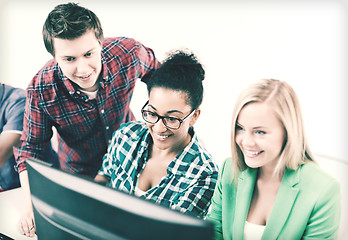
<point>169,122</point>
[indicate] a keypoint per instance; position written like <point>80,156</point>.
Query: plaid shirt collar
<point>179,165</point>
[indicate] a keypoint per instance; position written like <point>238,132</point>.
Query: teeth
<point>83,77</point>
<point>251,153</point>
<point>161,137</point>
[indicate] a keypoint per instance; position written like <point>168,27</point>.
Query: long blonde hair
<point>286,105</point>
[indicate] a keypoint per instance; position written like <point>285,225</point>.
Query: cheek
<point>180,134</point>
<point>238,138</point>
<point>278,141</point>
<point>150,127</point>
<point>274,144</point>
<point>96,62</point>
<point>66,69</point>
<point>280,145</point>
<point>184,128</point>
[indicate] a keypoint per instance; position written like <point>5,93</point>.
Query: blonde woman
<point>272,188</point>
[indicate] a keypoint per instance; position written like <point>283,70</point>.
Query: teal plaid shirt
<point>191,176</point>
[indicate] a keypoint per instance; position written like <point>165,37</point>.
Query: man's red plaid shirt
<point>84,126</point>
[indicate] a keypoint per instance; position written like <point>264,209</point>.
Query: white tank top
<point>138,192</point>
<point>253,231</point>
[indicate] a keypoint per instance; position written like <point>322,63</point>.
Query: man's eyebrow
<point>90,50</point>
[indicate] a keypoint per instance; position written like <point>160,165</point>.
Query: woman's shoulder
<point>194,162</point>
<point>312,172</point>
<point>315,180</point>
<point>133,130</point>
<point>202,155</point>
<point>226,170</point>
<point>132,126</point>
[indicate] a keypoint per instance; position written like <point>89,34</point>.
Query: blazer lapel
<point>282,207</point>
<point>246,183</point>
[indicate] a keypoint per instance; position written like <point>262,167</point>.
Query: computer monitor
<point>67,206</point>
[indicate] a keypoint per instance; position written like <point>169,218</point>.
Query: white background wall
<point>301,42</point>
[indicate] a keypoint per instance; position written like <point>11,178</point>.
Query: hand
<point>26,224</point>
<point>101,179</point>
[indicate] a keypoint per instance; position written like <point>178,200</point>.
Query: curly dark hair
<point>181,71</point>
<point>69,21</point>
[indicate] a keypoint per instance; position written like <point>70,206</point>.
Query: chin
<point>161,144</point>
<point>89,87</point>
<point>252,164</point>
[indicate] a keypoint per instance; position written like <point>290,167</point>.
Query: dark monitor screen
<point>67,206</point>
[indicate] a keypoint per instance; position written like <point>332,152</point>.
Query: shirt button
<point>102,111</point>
<point>109,141</point>
<point>78,92</point>
<point>107,127</point>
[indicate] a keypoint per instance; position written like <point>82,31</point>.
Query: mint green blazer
<point>307,205</point>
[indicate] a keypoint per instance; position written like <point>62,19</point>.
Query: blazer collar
<point>284,202</point>
<point>245,188</point>
<point>282,207</point>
